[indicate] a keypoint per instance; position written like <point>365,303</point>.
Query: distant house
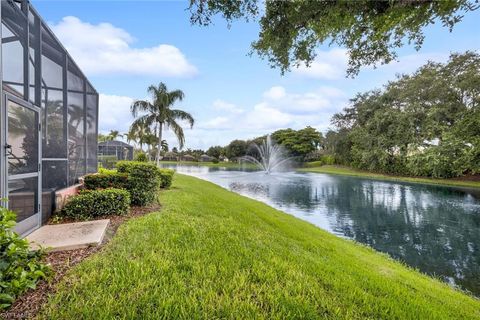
<point>206,158</point>
<point>170,156</point>
<point>119,149</point>
<point>187,157</point>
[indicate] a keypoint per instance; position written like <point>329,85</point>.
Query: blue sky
<point>124,46</point>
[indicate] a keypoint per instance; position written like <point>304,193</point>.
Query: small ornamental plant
<point>20,267</point>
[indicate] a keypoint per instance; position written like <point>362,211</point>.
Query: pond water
<point>435,229</point>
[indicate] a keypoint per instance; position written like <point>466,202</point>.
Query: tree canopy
<point>427,123</point>
<point>371,30</point>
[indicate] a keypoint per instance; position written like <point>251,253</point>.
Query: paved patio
<point>69,236</point>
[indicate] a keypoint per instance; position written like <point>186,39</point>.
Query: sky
<point>125,46</point>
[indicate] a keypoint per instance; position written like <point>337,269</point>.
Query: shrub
<point>166,177</point>
<point>215,160</point>
<point>106,171</point>
<point>106,180</point>
<point>141,157</point>
<point>20,268</point>
<point>94,203</point>
<point>324,160</point>
<point>143,180</point>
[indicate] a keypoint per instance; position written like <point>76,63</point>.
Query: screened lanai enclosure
<point>48,118</point>
<point>118,149</point>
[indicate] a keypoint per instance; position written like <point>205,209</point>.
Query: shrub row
<point>166,177</point>
<point>143,181</point>
<point>94,203</point>
<point>20,268</point>
<point>106,180</point>
<point>106,191</point>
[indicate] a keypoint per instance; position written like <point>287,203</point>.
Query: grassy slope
<point>213,254</point>
<point>358,173</point>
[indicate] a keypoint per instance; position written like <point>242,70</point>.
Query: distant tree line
<point>296,143</point>
<point>424,124</point>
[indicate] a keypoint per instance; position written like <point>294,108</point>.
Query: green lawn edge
<point>210,254</point>
<point>341,170</point>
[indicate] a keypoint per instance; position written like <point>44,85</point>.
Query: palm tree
<point>139,130</point>
<point>114,134</point>
<point>159,114</point>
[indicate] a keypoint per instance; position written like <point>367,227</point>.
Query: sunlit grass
<point>359,173</point>
<point>211,254</point>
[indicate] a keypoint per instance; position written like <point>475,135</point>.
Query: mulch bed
<point>30,303</point>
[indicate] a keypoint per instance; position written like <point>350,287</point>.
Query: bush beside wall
<point>94,203</point>
<point>143,181</point>
<point>166,177</point>
<point>20,268</point>
<point>106,180</point>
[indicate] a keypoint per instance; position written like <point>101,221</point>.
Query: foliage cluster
<point>20,268</point>
<point>425,124</point>
<point>143,180</point>
<point>96,203</point>
<point>371,31</point>
<point>166,177</point>
<point>141,157</point>
<point>106,180</point>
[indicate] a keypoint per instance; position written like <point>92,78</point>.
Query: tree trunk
<point>159,146</point>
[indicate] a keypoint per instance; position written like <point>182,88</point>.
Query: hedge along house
<point>48,118</point>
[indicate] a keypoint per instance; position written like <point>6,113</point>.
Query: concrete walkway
<point>69,236</point>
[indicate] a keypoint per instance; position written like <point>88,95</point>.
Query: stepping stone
<point>69,236</point>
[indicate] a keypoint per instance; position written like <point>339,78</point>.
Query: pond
<point>435,229</point>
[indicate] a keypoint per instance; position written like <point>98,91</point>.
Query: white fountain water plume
<point>271,156</point>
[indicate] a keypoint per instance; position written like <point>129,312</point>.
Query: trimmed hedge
<point>94,203</point>
<point>143,181</point>
<point>106,180</point>
<point>20,268</point>
<point>141,157</point>
<point>166,177</point>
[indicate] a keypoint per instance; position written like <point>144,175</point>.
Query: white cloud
<point>275,93</point>
<point>329,65</point>
<point>295,110</point>
<point>226,106</point>
<point>106,49</point>
<point>114,113</point>
<point>216,123</point>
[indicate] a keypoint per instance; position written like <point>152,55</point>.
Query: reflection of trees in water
<point>427,227</point>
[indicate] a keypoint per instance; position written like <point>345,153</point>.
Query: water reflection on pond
<point>435,229</point>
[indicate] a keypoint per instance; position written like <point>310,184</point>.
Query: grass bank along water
<point>210,253</point>
<point>331,169</point>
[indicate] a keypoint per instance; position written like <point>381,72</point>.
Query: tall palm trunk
<point>159,146</point>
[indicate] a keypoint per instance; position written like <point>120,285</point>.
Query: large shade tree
<point>370,30</point>
<point>159,114</point>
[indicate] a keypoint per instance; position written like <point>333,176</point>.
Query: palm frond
<point>140,106</point>
<point>177,130</point>
<point>182,115</point>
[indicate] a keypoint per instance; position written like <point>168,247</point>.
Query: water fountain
<point>271,156</point>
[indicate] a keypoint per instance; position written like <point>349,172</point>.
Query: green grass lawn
<point>365,174</point>
<point>212,254</point>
